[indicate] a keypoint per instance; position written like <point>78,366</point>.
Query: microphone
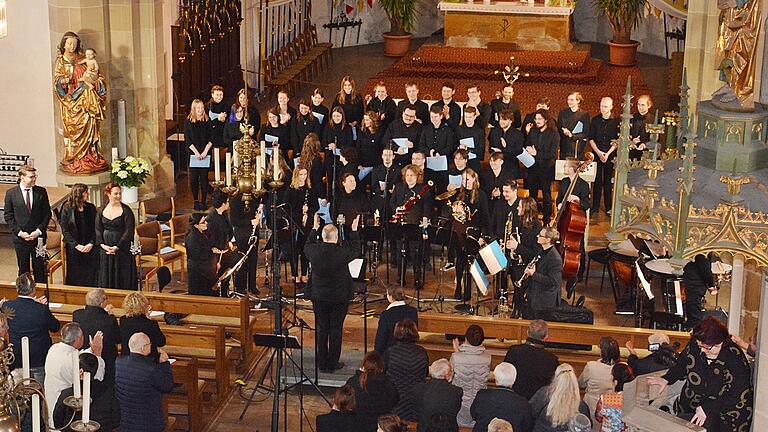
<point>424,224</point>
<point>40,251</point>
<point>340,222</point>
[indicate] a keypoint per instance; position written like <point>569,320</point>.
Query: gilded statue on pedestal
<point>81,91</point>
<point>737,42</point>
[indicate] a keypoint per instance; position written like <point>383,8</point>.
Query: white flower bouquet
<point>130,172</point>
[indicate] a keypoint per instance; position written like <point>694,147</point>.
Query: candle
<point>228,168</point>
<point>40,243</point>
<point>115,154</point>
<point>259,167</point>
<point>275,164</point>
<point>263,154</point>
<point>86,397</point>
<point>76,373</point>
<point>35,413</point>
<point>216,165</point>
<point>25,357</point>
<point>235,157</point>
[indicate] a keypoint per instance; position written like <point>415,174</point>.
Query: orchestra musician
<point>419,158</point>
<point>245,224</point>
<point>580,196</point>
<point>201,260</point>
<point>545,275</point>
<point>278,220</point>
<point>220,234</point>
<point>302,200</point>
<point>697,276</point>
<point>526,246</point>
<point>472,205</point>
<point>501,212</point>
<point>409,188</point>
<point>351,200</point>
<point>383,180</point>
<point>542,143</point>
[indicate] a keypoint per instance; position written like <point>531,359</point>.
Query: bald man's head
<point>330,234</point>
<point>139,343</point>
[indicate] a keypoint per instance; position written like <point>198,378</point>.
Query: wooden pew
<point>517,329</point>
<point>185,373</point>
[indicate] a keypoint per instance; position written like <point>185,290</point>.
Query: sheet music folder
<point>276,341</point>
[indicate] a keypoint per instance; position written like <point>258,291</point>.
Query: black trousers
<point>693,311</point>
<point>603,186</point>
<point>245,278</point>
<point>25,252</point>
<point>541,180</point>
<point>198,182</point>
<point>329,323</point>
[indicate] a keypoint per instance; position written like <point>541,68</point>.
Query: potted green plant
<point>129,174</point>
<point>402,18</point>
<point>624,16</point>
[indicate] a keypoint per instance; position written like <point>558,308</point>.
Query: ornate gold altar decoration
<point>82,94</point>
<point>511,72</point>
<point>683,229</point>
<point>738,37</point>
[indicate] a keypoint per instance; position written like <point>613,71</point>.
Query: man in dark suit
<point>330,288</point>
<point>395,312</point>
<point>27,211</point>
<point>502,402</point>
<point>539,364</point>
<point>97,316</point>
<point>31,318</point>
<point>140,383</point>
<point>438,396</point>
<point>545,275</point>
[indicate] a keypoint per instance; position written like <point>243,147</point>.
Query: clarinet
<point>519,282</point>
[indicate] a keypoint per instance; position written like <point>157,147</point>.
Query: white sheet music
<point>646,285</point>
<point>678,299</point>
<point>354,267</point>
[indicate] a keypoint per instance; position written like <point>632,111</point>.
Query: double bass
<point>571,221</point>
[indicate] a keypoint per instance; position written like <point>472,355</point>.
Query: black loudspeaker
<point>567,313</point>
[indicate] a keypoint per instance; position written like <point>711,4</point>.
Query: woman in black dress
<point>201,261</point>
<point>197,136</point>
<point>304,124</point>
<point>136,320</point>
<point>276,133</point>
<point>369,143</point>
<point>542,143</point>
<point>232,131</point>
<point>351,200</point>
<point>527,248</point>
<point>78,226</point>
<point>348,99</point>
<point>472,202</point>
<point>374,392</point>
<point>115,226</point>
<point>319,110</point>
<point>310,158</point>
<point>338,136</point>
<point>254,119</point>
<point>303,205</point>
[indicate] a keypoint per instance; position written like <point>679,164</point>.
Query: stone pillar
<point>736,303</point>
<point>760,418</point>
<point>700,54</point>
<point>127,34</point>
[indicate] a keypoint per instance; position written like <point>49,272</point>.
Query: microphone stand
<point>384,219</point>
<point>333,183</point>
<point>41,252</point>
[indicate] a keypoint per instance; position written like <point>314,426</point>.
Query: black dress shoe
<point>337,366</point>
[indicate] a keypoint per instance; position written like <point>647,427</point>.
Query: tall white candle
<point>35,413</point>
<point>76,373</point>
<point>216,164</point>
<point>115,154</point>
<point>259,167</point>
<point>228,168</point>
<point>122,141</point>
<point>86,397</point>
<point>275,164</point>
<point>25,357</point>
<point>263,154</point>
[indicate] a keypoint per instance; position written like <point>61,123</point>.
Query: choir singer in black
<point>331,288</point>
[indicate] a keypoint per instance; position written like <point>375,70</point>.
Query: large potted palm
<point>402,17</point>
<point>624,16</point>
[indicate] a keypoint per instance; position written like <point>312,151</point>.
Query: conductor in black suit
<point>330,288</point>
<point>395,312</point>
<point>31,318</point>
<point>97,316</point>
<point>27,212</point>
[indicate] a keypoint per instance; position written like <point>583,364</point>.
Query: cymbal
<point>445,195</point>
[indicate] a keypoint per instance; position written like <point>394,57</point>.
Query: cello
<point>571,221</point>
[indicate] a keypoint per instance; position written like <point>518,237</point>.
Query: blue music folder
<point>199,163</point>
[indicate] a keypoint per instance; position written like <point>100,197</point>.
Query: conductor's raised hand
<point>316,224</point>
<point>355,223</point>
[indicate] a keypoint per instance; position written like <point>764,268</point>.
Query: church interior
<point>601,165</point>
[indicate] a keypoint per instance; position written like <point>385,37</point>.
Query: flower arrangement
<point>130,172</point>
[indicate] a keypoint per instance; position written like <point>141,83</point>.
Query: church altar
<point>527,26</point>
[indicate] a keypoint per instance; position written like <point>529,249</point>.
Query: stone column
<point>760,418</point>
<point>737,295</point>
<point>700,54</point>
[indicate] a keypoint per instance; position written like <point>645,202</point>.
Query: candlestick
<point>259,167</point>
<point>86,397</point>
<point>76,373</point>
<point>275,164</point>
<point>35,413</point>
<point>25,357</point>
<point>228,167</point>
<point>216,165</point>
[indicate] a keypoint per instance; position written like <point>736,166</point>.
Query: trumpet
<point>508,235</point>
<point>519,282</point>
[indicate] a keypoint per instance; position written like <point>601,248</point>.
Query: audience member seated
<point>375,395</point>
<point>104,407</point>
<point>29,316</point>
<point>555,405</point>
<point>391,423</point>
<point>539,364</point>
<point>438,396</point>
<point>440,423</point>
<point>663,355</point>
<point>502,402</point>
<point>499,425</point>
<point>596,377</point>
<point>342,417</point>
<point>407,365</point>
<point>140,383</point>
<point>97,317</point>
<point>610,404</point>
<point>471,365</point>
<point>395,312</point>
<point>60,362</point>
<point>136,320</point>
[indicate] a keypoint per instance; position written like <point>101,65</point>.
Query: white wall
<point>27,123</point>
